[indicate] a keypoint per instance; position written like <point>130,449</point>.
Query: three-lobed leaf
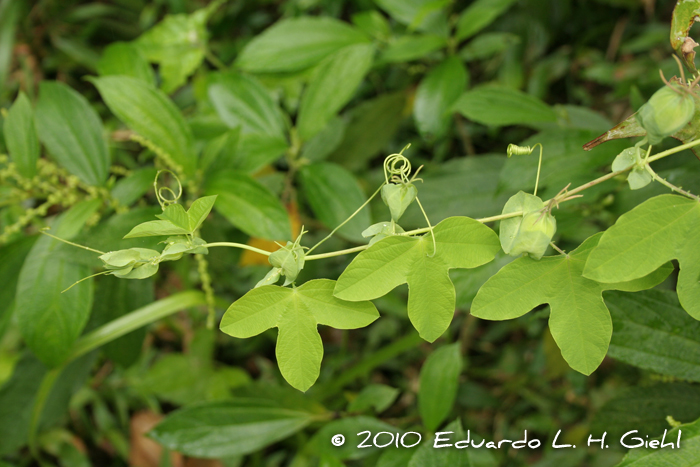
<point>296,313</point>
<point>388,263</point>
<point>579,321</point>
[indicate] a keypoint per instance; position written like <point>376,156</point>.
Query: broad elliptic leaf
<point>71,130</point>
<point>439,378</point>
<point>436,93</point>
<point>351,428</point>
<point>151,114</point>
<point>662,228</point>
<point>427,456</point>
<point>500,106</point>
<point>123,58</point>
<point>332,85</point>
<point>249,205</point>
<point>651,331</point>
<point>296,44</point>
<point>579,321</point>
<point>21,137</point>
<point>296,313</point>
<point>377,396</point>
<point>242,101</point>
<point>686,456</point>
<point>228,429</point>
<point>51,320</point>
<point>334,195</point>
<point>422,15</point>
<point>411,47</point>
<point>478,15</point>
<point>388,263</point>
<point>685,14</point>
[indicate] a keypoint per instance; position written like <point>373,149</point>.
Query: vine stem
<point>348,219</point>
<point>670,185</point>
<point>567,196</point>
<point>239,245</point>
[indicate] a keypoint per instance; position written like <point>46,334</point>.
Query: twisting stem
<point>539,166</point>
<point>432,234</point>
<point>348,219</point>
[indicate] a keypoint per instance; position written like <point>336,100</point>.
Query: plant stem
<point>337,253</point>
<point>239,245</point>
<point>39,402</point>
<point>347,220</point>
<point>670,185</point>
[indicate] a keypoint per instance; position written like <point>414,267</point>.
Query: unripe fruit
<point>398,198</point>
<point>529,233</point>
<point>666,113</point>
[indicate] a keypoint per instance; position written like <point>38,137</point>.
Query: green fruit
<point>530,233</point>
<point>666,113</point>
<point>398,198</point>
<point>638,178</point>
<point>290,260</point>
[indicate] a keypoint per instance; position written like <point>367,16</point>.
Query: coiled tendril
<point>397,168</point>
<point>162,200</point>
<point>514,149</point>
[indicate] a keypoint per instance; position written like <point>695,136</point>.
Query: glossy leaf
<point>435,96</point>
<point>334,194</point>
<point>500,106</point>
<point>225,429</point>
<point>439,378</point>
<point>478,15</point>
<point>151,114</point>
<point>71,130</point>
<point>332,85</point>
<point>51,321</point>
<point>296,312</point>
<point>126,59</point>
<point>20,136</point>
<point>461,243</point>
<point>242,101</point>
<point>662,228</point>
<point>580,322</point>
<point>248,205</point>
<point>296,44</point>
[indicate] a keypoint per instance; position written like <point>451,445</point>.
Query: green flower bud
<point>398,198</point>
<point>666,113</point>
<point>290,260</point>
<point>530,233</point>
<point>638,178</point>
<point>382,230</point>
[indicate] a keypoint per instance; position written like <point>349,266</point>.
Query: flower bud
<point>398,198</point>
<point>666,113</point>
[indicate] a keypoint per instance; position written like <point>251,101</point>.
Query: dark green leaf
<point>478,15</point>
<point>122,58</point>
<point>20,136</point>
<point>413,47</point>
<point>332,85</point>
<point>226,429</point>
<point>377,396</point>
<point>334,194</point>
<point>151,114</point>
<point>51,321</point>
<point>500,106</point>
<point>72,132</point>
<point>435,96</point>
<point>296,44</point>
<point>686,456</point>
<point>248,205</point>
<point>423,15</point>
<point>439,378</point>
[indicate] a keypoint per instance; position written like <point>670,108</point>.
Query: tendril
<point>514,149</point>
<point>162,200</point>
<point>397,167</point>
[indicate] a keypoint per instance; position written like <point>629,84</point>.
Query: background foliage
<point>285,111</point>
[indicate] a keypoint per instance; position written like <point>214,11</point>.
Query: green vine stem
<point>668,184</point>
<point>104,334</point>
